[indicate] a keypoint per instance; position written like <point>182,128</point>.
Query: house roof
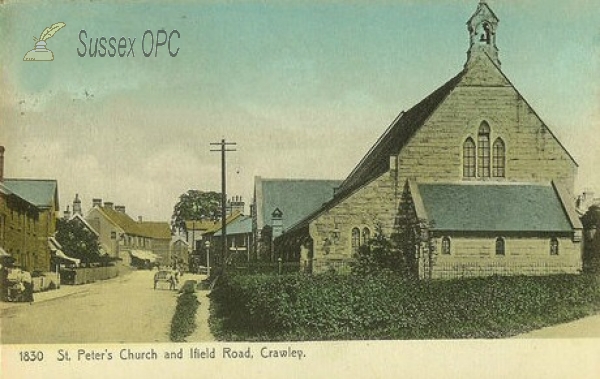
<point>217,225</point>
<point>122,220</point>
<point>43,193</point>
<point>296,198</point>
<point>377,160</point>
<point>241,225</point>
<point>479,207</point>
<point>155,229</point>
<point>199,224</point>
<point>80,218</point>
<point>150,229</point>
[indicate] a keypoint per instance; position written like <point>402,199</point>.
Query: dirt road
<point>125,309</point>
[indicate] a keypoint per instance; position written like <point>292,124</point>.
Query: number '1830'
<point>31,356</point>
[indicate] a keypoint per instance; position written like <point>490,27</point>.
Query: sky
<point>303,87</point>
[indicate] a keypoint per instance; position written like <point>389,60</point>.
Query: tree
<point>78,242</point>
<point>381,254</point>
<point>196,205</point>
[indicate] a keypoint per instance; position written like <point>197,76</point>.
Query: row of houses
<point>28,218</point>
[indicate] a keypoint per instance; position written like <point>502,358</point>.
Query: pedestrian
<point>27,282</point>
<point>171,282</point>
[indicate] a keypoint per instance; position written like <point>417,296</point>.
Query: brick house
<point>28,210</point>
<point>486,185</point>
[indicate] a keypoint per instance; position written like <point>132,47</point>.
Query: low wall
<point>43,283</point>
<point>88,275</point>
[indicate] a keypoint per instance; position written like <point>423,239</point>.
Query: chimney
<point>108,204</point>
<point>277,222</point>
<point>140,219</point>
<point>77,205</point>
<point>1,163</point>
<point>120,208</point>
<point>67,214</point>
<point>96,202</point>
<point>236,204</point>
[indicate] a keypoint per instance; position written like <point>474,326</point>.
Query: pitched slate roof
<point>217,225</point>
<point>296,198</point>
<point>377,160</point>
<point>241,225</point>
<point>40,192</point>
<point>473,207</point>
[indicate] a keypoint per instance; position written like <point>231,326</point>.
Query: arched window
<point>553,246</point>
<point>483,150</point>
<point>366,236</point>
<point>355,240</point>
<point>500,248</point>
<point>499,159</point>
<point>446,245</point>
<point>469,158</point>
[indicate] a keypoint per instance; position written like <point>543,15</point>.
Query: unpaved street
<point>126,309</point>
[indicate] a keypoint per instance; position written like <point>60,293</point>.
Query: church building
<point>473,172</point>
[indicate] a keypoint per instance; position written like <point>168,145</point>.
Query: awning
<point>53,243</point>
<point>61,255</point>
<point>144,255</point>
<point>55,247</point>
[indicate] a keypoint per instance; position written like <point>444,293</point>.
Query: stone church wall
<point>523,256</point>
<point>371,205</point>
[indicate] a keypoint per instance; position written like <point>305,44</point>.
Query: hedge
<point>324,307</point>
<point>183,322</point>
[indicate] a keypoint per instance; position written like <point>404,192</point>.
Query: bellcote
<point>482,28</point>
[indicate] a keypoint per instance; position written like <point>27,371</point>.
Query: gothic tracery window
<point>355,240</point>
<point>469,158</point>
<point>366,236</point>
<point>446,246</point>
<point>483,150</point>
<point>499,159</point>
<point>500,246</point>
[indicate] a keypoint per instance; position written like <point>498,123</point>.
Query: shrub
<point>183,322</point>
<point>385,306</point>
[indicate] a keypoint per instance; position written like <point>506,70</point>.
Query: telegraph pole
<point>223,149</point>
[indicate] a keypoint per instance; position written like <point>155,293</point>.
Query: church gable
<point>484,130</point>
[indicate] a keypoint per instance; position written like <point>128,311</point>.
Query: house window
<point>499,159</point>
<point>500,246</point>
<point>483,150</point>
<point>355,240</point>
<point>469,158</point>
<point>446,246</point>
<point>366,236</point>
<point>553,246</point>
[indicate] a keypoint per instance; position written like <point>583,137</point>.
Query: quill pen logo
<point>40,52</point>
